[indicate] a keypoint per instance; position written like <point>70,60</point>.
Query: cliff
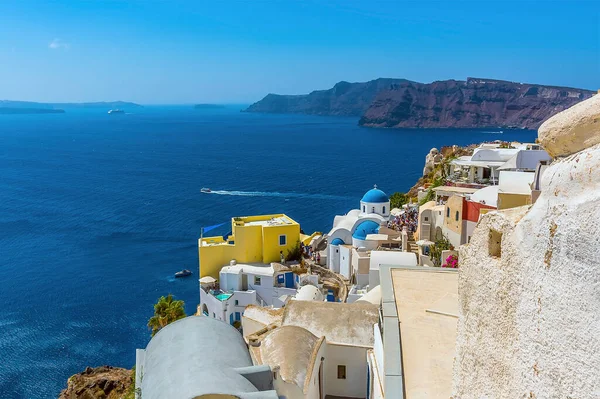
<point>344,99</point>
<point>528,283</point>
<point>474,103</point>
<point>400,103</point>
<point>103,382</point>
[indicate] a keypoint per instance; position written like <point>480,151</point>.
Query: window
<point>383,211</point>
<point>341,372</point>
<point>214,315</point>
<point>495,244</point>
<point>337,251</point>
<point>373,210</point>
<point>448,212</point>
<point>456,216</point>
<point>282,239</point>
<point>256,280</point>
<point>364,209</point>
<point>426,219</point>
<point>236,302</point>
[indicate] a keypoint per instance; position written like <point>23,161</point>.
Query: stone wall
<point>529,292</point>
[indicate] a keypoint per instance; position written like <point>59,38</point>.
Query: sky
<point>183,52</point>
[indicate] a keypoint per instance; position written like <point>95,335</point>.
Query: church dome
<point>337,241</point>
<point>375,195</point>
<point>365,228</point>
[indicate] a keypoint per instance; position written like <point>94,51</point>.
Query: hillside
<point>346,99</point>
<point>474,103</point>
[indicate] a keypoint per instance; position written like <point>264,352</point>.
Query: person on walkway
<point>318,258</point>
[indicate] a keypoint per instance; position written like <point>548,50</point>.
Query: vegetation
<point>130,394</point>
<point>441,244</point>
<point>166,311</point>
<point>294,254</point>
<point>398,199</point>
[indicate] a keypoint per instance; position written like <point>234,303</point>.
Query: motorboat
<point>183,273</point>
<point>205,190</point>
<point>116,111</point>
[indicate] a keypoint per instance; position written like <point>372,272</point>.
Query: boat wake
<point>278,194</point>
<point>494,132</point>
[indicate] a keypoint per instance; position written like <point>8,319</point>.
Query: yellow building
<point>254,239</point>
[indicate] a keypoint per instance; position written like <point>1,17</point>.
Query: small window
<point>214,315</point>
<point>337,251</point>
<point>256,280</point>
<point>236,302</point>
<point>373,210</point>
<point>364,209</point>
<point>448,212</point>
<point>495,244</point>
<point>282,239</point>
<point>383,210</point>
<point>341,372</point>
<point>456,216</point>
<point>426,219</point>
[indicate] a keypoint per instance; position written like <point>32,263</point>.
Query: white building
<point>317,349</point>
<point>352,229</point>
<point>242,285</point>
<point>484,166</point>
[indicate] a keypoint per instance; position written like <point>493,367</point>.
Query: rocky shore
<point>104,382</point>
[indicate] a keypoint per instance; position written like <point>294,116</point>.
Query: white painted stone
<point>529,323</point>
<point>573,129</point>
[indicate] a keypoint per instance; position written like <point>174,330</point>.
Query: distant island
<point>22,111</point>
<point>60,107</point>
<point>208,106</point>
<point>401,103</point>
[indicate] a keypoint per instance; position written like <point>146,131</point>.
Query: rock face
<point>345,99</point>
<point>475,103</point>
<point>573,130</point>
<point>434,157</point>
<point>528,289</point>
<point>103,382</point>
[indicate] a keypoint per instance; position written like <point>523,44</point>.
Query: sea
<point>98,211</point>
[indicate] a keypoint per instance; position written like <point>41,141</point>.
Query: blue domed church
<point>352,229</point>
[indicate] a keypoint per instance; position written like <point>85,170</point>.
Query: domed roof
<point>375,195</point>
<point>337,241</point>
<point>365,228</point>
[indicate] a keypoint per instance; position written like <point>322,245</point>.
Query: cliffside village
<point>483,286</point>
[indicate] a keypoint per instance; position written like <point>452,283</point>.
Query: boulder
<point>573,129</point>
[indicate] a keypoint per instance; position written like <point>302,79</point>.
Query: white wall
<point>345,260</point>
<point>382,209</point>
<point>355,360</point>
<point>214,306</point>
<point>333,258</point>
<point>264,290</point>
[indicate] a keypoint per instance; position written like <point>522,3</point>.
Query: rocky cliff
<point>345,99</point>
<point>103,382</point>
<point>474,103</point>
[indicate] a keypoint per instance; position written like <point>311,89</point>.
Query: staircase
<point>412,245</point>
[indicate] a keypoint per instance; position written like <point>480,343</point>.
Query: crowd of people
<point>407,218</point>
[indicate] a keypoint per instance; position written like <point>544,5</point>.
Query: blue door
<point>289,280</point>
<point>231,319</point>
<point>237,316</point>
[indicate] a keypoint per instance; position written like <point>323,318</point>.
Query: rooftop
<point>427,308</point>
<point>453,190</point>
<point>266,220</point>
<point>340,323</point>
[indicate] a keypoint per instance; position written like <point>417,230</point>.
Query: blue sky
<point>237,51</point>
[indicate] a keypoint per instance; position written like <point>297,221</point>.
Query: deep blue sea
<point>97,212</point>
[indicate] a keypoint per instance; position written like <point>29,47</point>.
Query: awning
<point>207,280</point>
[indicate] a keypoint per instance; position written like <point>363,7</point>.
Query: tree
<point>295,253</point>
<point>166,311</point>
<point>397,200</point>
